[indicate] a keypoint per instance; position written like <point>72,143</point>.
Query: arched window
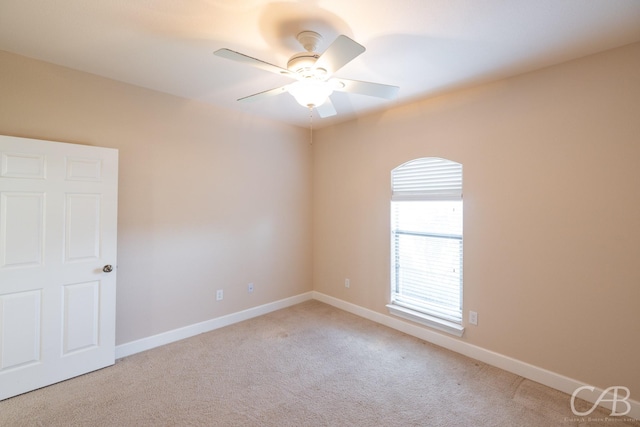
<point>426,243</point>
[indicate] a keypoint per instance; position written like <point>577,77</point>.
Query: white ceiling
<point>425,47</point>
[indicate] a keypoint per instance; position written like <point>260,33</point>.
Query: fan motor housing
<point>302,61</point>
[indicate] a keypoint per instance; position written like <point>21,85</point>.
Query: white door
<point>58,210</point>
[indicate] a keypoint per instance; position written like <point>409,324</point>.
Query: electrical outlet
<point>347,283</point>
<point>219,295</point>
<point>250,288</point>
<point>473,318</point>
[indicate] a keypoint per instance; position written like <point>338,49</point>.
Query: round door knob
<point>107,268</point>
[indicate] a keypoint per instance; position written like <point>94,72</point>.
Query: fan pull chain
<point>310,125</point>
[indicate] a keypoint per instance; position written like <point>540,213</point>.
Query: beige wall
<point>209,199</point>
<point>214,199</point>
<point>552,211</point>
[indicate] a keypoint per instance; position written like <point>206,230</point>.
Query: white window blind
<point>426,212</point>
<point>429,178</point>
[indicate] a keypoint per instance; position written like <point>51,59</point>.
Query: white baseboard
<point>526,370</point>
<point>148,343</point>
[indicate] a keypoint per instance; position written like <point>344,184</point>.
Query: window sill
<point>425,319</point>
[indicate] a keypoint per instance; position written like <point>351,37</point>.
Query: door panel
<point>82,226</point>
<point>84,169</point>
<point>20,332</point>
<point>21,229</point>
<point>58,210</point>
<point>20,165</point>
<point>81,316</point>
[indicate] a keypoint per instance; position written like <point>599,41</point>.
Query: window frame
<point>426,179</point>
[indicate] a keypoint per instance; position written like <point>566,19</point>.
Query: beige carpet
<point>307,365</point>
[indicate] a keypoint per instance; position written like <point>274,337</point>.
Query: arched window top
<point>427,178</point>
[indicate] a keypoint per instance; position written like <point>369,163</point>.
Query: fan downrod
<point>310,40</point>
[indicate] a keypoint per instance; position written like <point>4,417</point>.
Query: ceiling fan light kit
<point>313,73</point>
<point>310,93</point>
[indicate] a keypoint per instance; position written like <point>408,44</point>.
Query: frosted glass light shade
<point>310,93</point>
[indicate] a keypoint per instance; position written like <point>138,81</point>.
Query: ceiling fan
<point>313,73</point>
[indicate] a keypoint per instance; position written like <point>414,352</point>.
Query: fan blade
<point>242,58</point>
<point>261,95</point>
<point>365,88</point>
<point>326,109</point>
<point>338,54</point>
